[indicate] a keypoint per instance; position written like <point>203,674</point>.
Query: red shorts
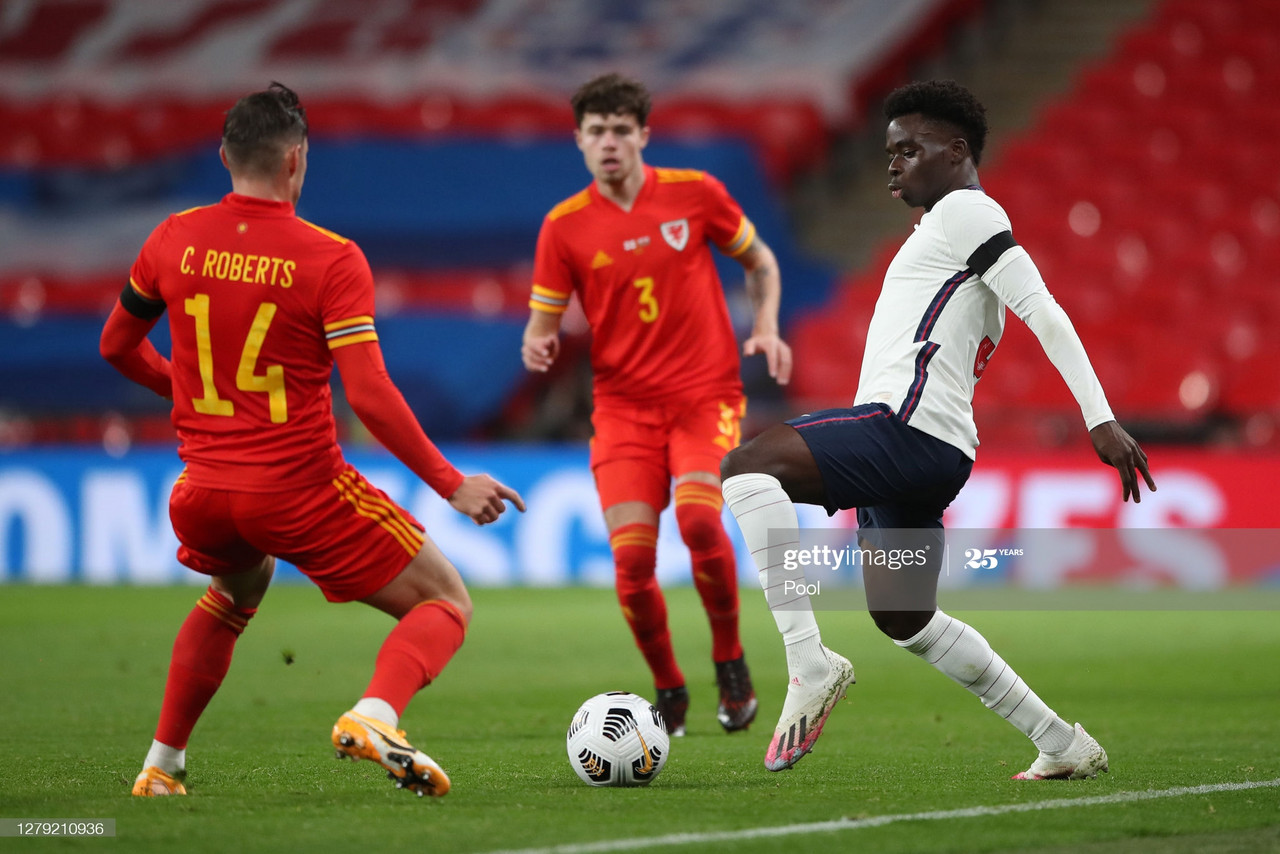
<point>347,536</point>
<point>637,450</point>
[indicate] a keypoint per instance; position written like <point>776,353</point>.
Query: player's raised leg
<point>761,480</point>
<point>433,608</point>
<point>201,657</point>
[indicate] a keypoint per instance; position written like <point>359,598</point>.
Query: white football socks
<point>961,653</point>
<point>168,759</point>
<point>379,710</point>
<point>760,504</point>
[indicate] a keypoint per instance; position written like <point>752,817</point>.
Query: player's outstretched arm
<point>382,409</point>
<point>1118,449</point>
<point>541,344</point>
<point>764,289</point>
<point>483,498</point>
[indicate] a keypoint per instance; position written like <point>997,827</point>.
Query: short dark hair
<point>609,94</point>
<point>944,101</point>
<point>259,127</point>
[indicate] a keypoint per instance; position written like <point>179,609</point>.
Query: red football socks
<point>201,658</point>
<point>415,652</point>
<point>635,558</point>
<point>715,570</point>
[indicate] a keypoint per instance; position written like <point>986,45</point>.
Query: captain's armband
<point>140,306</point>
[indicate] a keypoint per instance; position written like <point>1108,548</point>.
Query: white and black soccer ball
<point>617,739</point>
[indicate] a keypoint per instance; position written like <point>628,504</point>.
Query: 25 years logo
<point>988,558</point>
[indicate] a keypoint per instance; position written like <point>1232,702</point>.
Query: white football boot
<point>805,711</point>
<point>1082,760</point>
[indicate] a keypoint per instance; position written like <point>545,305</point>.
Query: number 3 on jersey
<point>648,302</point>
<point>247,378</point>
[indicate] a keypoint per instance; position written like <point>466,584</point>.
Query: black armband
<point>986,255</point>
<point>139,306</point>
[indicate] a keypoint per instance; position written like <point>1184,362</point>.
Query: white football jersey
<point>941,313</point>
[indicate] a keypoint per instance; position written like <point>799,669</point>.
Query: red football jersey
<point>648,284</point>
<point>257,300</point>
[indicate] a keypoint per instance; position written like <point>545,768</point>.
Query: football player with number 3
<point>905,448</point>
<point>635,246</point>
<point>261,306</point>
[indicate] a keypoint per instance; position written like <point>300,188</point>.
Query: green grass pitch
<point>1178,698</point>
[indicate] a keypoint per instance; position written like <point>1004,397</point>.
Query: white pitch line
<point>841,824</point>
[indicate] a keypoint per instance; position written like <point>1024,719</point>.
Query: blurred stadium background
<point>1133,144</point>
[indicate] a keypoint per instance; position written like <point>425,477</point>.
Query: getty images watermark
<point>836,559</point>
<point>893,569</point>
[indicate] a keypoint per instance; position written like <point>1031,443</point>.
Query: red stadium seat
<point>1150,200</point>
<point>1253,384</point>
<point>1210,18</point>
<point>50,29</point>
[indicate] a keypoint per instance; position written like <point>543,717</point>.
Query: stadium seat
<point>1149,193</point>
<point>51,28</point>
<point>1253,384</point>
<point>1149,197</point>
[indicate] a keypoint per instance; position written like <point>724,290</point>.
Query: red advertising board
<point>1214,520</point>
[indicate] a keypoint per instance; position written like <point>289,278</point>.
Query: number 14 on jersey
<point>271,382</point>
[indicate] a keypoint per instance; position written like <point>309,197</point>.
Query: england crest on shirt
<point>676,233</point>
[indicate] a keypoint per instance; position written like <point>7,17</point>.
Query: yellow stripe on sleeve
<point>359,338</point>
<point>546,300</point>
<point>351,330</point>
<point>742,240</point>
<point>350,321</point>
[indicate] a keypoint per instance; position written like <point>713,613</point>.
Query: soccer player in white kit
<point>905,448</point>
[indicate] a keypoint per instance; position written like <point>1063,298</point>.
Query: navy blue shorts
<point>869,458</point>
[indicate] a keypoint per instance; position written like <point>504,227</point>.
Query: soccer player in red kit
<point>261,305</point>
<point>635,246</point>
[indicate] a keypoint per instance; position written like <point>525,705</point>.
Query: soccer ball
<point>617,739</point>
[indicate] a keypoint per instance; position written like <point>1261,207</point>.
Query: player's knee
<point>245,590</point>
<point>635,556</point>
<point>736,462</point>
<point>755,457</point>
<point>700,527</point>
<point>901,625</point>
<point>633,576</point>
<point>449,588</point>
<point>633,570</point>
<point>461,602</point>
<point>698,508</point>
